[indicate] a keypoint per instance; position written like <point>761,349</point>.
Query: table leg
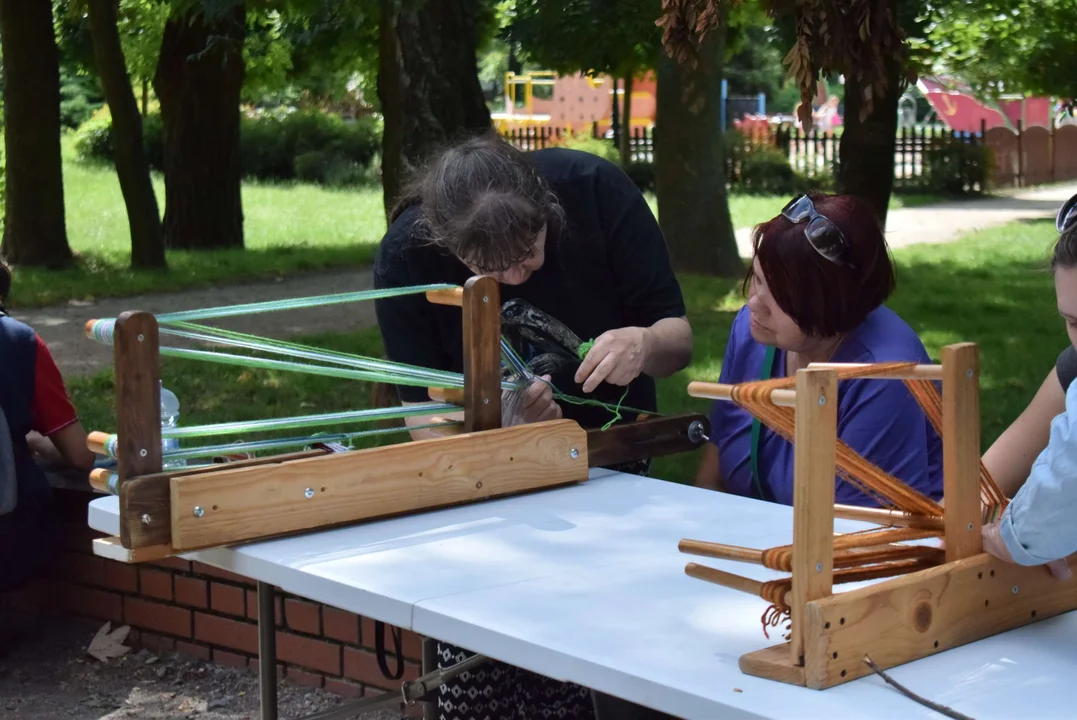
<point>267,651</point>
<point>430,664</point>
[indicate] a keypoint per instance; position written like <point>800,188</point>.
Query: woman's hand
<point>617,357</point>
<point>535,404</point>
<point>993,544</point>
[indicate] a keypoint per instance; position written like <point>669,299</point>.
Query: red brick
<point>191,591</point>
<point>252,607</point>
<point>340,625</point>
<point>156,583</point>
<point>412,645</point>
<point>301,677</point>
<point>203,569</point>
<point>302,616</point>
<point>90,602</point>
<point>174,563</point>
<point>223,657</point>
<point>81,569</point>
<point>343,687</point>
<point>191,650</point>
<point>120,576</point>
<point>412,671</point>
<point>168,619</point>
<point>308,653</point>
<point>233,634</point>
<point>78,537</point>
<point>362,666</point>
<point>227,599</point>
<point>153,641</point>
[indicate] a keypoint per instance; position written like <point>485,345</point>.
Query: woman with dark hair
<point>1035,460</point>
<point>39,419</point>
<point>578,254</point>
<point>579,257</point>
<point>821,271</point>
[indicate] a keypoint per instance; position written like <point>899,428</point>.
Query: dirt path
<point>48,676</point>
<point>62,327</point>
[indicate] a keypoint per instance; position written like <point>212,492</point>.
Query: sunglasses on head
<point>824,235</point>
<point>1067,215</point>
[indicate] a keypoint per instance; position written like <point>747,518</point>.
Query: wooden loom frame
<point>970,596</point>
<point>165,512</point>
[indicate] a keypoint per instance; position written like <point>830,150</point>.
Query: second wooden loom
<point>935,598</point>
<point>174,511</point>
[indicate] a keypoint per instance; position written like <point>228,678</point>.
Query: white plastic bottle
<point>170,410</point>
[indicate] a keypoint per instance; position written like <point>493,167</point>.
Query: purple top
<point>880,419</point>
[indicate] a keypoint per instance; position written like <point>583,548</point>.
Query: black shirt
<point>1066,367</point>
<point>607,267</point>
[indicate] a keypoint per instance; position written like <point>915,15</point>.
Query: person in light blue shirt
<point>1038,526</point>
<point>821,273</point>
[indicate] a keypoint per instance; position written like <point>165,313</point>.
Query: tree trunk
<point>34,223</point>
<point>867,148</point>
<point>132,167</point>
<point>428,84</point>
<point>626,133</point>
<point>198,80</point>
<point>693,206</point>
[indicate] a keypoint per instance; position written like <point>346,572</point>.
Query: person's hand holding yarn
<point>616,357</point>
<point>535,404</point>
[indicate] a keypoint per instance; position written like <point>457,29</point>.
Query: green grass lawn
<point>991,288</point>
<point>289,228</point>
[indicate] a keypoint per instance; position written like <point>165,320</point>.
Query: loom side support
<point>814,468</point>
<point>138,416</point>
<point>482,354</point>
<point>961,451</point>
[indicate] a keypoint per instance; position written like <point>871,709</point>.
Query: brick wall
<point>211,614</point>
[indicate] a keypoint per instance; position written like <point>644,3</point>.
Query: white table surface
<point>586,584</point>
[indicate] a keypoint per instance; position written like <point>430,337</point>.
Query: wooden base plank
<point>112,549</point>
<point>913,616</point>
<point>237,505</point>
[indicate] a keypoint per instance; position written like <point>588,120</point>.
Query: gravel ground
<point>46,674</point>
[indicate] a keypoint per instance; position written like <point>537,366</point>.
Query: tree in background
<point>428,84</point>
<point>132,165</point>
<point>864,40</point>
<point>1008,46</point>
<point>198,80</point>
<point>34,224</point>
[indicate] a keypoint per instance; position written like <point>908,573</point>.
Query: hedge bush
<point>309,146</point>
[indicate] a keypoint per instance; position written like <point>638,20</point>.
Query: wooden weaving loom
<point>179,510</point>
<point>935,599</point>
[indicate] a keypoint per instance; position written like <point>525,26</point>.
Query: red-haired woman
<point>38,418</point>
<point>821,271</point>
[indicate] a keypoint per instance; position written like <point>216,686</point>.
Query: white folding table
<point>585,583</point>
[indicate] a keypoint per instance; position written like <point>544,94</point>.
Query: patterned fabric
<point>497,691</point>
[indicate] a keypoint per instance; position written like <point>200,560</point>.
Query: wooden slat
<point>650,438</point>
<point>113,549</point>
<point>961,450</point>
<point>149,522</point>
<point>482,354</point>
<point>453,396</point>
<point>455,296</point>
<point>882,516</point>
<point>906,618</point>
<point>917,372</point>
<point>138,406</point>
<point>249,503</point>
<point>814,467</point>
<point>722,391</point>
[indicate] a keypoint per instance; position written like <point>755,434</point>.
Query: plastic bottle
<point>170,410</point>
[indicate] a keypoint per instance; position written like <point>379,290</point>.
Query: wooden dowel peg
<point>721,552</point>
<point>722,391</point>
<point>100,479</point>
<point>453,396</point>
<point>881,516</point>
<point>453,296</point>
<point>917,372</point>
<point>97,442</point>
<point>720,577</point>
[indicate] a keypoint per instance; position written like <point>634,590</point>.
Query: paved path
<point>62,326</point>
